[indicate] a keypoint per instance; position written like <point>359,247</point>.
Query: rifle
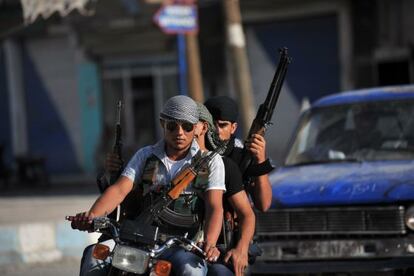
<point>117,147</point>
<point>114,175</point>
<point>265,112</point>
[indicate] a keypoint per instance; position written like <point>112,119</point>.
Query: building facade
<point>61,78</point>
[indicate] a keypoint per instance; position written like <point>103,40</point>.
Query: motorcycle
<point>137,247</point>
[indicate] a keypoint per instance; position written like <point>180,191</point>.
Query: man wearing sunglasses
<point>169,156</point>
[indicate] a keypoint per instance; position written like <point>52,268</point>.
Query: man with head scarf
<point>175,151</point>
<point>225,114</point>
<point>235,198</point>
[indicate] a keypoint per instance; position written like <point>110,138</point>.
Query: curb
<point>42,242</point>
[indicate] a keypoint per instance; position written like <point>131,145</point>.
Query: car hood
<point>343,184</point>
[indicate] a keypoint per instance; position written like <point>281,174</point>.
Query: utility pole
<point>241,73</point>
<point>195,80</point>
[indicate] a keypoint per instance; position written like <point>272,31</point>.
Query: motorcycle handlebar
<point>100,223</point>
<point>178,240</point>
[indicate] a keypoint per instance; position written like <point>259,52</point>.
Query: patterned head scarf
<point>180,108</point>
<point>212,138</point>
<point>205,116</point>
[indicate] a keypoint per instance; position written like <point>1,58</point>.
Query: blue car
<point>344,199</point>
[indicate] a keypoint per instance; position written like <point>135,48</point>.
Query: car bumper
<point>335,255</point>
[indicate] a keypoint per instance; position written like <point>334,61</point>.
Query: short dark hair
<point>223,108</point>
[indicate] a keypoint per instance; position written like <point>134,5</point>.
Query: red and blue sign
<point>177,19</point>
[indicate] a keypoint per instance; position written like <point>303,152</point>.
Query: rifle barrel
<point>277,81</point>
<point>118,119</point>
<point>266,109</point>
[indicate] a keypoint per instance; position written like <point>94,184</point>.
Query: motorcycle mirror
<point>101,251</point>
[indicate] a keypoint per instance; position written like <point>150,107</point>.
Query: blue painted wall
<point>313,45</point>
<point>89,90</point>
<point>47,134</point>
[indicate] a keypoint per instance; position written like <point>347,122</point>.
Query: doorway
<point>143,91</point>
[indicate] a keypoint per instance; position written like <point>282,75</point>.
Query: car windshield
<point>357,132</point>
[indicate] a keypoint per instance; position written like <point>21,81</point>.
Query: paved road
<point>22,206</point>
<point>32,225</point>
<point>34,209</point>
<point>65,267</point>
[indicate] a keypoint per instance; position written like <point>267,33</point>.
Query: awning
<point>45,8</point>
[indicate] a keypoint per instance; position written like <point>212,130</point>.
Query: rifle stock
<point>266,109</point>
<point>184,178</point>
<point>181,182</point>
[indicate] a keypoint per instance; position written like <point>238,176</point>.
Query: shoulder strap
<point>149,172</point>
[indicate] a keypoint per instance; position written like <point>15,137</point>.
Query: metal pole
<point>182,64</point>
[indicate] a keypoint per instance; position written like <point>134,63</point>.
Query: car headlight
<point>130,259</point>
<point>409,217</point>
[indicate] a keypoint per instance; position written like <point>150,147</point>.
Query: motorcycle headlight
<point>409,217</point>
<point>130,259</point>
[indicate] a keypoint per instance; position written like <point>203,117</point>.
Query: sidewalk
<point>32,225</point>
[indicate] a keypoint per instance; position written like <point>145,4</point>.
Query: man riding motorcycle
<point>151,169</point>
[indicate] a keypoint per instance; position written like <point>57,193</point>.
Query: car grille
<point>362,220</point>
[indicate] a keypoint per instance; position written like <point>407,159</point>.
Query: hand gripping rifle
<point>265,112</point>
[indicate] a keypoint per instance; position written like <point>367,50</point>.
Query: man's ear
<point>161,123</point>
<point>233,127</point>
<point>197,130</point>
<point>205,127</point>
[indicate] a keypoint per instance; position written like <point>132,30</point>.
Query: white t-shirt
<point>173,166</point>
<point>214,180</point>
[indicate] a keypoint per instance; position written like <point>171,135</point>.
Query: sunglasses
<point>173,125</point>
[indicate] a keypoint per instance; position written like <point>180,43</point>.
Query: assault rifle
<point>265,112</point>
<point>102,180</point>
<point>117,148</point>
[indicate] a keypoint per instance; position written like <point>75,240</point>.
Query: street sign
<point>177,19</point>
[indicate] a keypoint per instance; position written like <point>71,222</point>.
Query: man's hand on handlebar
<point>82,221</point>
<point>212,252</point>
